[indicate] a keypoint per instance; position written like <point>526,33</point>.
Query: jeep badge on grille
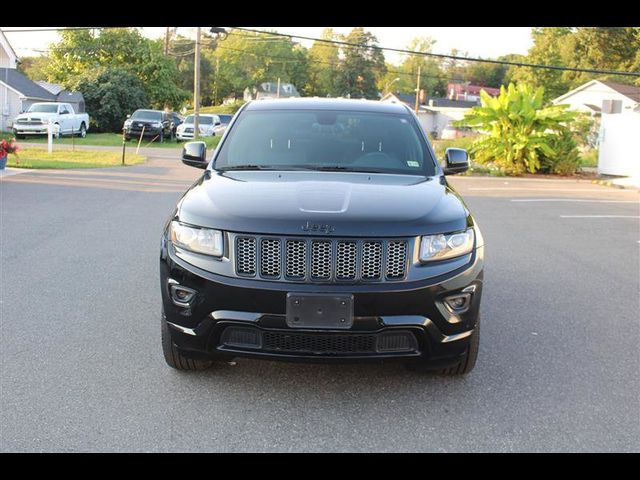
<point>318,227</point>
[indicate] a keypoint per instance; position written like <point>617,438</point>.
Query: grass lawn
<point>107,140</point>
<point>40,158</point>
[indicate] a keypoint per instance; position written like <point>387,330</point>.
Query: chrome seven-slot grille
<point>320,260</point>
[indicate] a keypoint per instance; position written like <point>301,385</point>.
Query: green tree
<point>79,51</point>
<point>432,79</point>
<point>247,59</point>
<point>110,94</point>
<point>551,46</point>
<point>361,66</point>
<point>518,133</point>
<point>323,65</point>
<point>34,67</point>
<point>182,50</point>
<point>604,48</point>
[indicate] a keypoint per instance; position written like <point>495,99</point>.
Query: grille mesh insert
<point>396,259</point>
<point>270,257</point>
<point>346,255</point>
<point>246,255</point>
<point>318,343</point>
<point>321,260</point>
<point>371,260</point>
<point>296,259</point>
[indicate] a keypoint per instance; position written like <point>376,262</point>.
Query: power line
<point>441,55</point>
<point>291,59</point>
<point>58,29</point>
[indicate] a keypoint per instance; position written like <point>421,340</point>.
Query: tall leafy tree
<point>79,51</point>
<point>361,66</point>
<point>324,60</point>
<point>605,48</point>
<point>247,59</point>
<point>34,67</point>
<point>432,79</point>
<point>110,94</point>
<point>551,46</point>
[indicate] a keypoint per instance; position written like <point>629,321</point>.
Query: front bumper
<point>189,135</point>
<point>148,132</point>
<point>237,317</point>
<point>30,129</point>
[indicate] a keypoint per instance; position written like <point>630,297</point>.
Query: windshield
<point>203,120</point>
<point>147,115</point>
<point>43,108</point>
<point>326,140</point>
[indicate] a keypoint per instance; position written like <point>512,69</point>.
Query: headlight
<point>127,123</point>
<point>199,240</point>
<point>157,125</point>
<point>441,247</point>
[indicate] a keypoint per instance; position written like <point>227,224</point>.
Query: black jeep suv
<point>322,230</point>
<point>150,123</point>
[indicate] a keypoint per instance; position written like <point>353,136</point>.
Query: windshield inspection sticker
<point>413,163</point>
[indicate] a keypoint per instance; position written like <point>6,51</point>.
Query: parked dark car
<point>151,123</point>
<point>322,230</point>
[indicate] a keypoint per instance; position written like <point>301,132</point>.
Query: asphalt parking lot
<point>82,369</point>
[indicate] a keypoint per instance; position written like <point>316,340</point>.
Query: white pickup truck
<point>63,118</point>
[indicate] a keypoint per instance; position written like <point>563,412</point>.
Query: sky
<point>486,42</point>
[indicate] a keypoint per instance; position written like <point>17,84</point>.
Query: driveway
<point>82,369</point>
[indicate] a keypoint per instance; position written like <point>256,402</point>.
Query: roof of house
<point>410,100</point>
<point>473,89</point>
<point>630,91</point>
<point>54,88</point>
<point>445,102</point>
<point>30,89</point>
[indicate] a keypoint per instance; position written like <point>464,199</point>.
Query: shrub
<point>565,158</point>
<point>518,130</point>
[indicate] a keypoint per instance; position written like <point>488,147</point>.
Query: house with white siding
<point>601,96</point>
<point>17,92</point>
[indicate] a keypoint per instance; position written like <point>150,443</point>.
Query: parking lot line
<point>521,189</point>
<point>570,200</point>
<point>599,216</point>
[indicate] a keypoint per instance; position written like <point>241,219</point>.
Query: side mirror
<point>217,123</point>
<point>128,116</point>
<point>456,161</point>
<point>194,154</point>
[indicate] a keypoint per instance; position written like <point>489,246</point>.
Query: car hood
<point>323,203</point>
<point>35,115</point>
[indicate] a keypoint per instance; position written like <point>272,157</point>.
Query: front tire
<point>463,367</point>
<point>83,130</point>
<point>173,357</point>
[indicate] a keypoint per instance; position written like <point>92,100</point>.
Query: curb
<point>607,183</point>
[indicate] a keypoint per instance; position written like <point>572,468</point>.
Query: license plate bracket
<point>319,310</point>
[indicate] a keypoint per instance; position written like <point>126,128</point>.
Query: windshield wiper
<point>260,167</point>
<point>341,168</point>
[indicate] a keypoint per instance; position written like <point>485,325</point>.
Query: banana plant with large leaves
<point>517,130</point>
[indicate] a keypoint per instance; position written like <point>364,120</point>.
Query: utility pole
<point>215,82</point>
<point>278,90</point>
<point>166,42</point>
<point>196,88</point>
<point>418,91</point>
